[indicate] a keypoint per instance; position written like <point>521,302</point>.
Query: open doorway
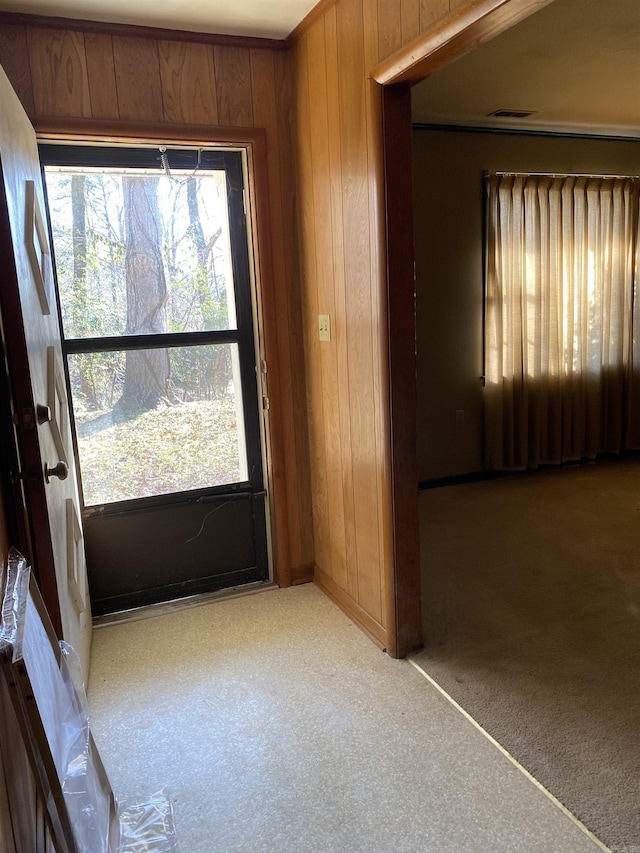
<point>585,621</point>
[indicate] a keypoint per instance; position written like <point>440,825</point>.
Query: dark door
<point>39,452</point>
<point>153,272</point>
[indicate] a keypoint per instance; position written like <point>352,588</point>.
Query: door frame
<point>460,32</point>
<point>254,143</point>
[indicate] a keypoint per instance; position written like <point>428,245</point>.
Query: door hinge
<point>263,366</point>
<point>265,403</point>
<point>24,417</point>
<point>244,202</point>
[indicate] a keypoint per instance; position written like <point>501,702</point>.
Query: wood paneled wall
<point>322,114</point>
<point>81,76</point>
<point>338,131</point>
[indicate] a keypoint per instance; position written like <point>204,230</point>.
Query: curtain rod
<point>559,175</point>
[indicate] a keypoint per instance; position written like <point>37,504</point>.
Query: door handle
<point>61,471</point>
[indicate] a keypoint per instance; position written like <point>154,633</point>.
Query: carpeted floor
<point>531,601</point>
<point>280,728</point>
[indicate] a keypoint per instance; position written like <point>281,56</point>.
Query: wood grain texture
<point>308,272</point>
<point>341,323</point>
<point>14,52</point>
<point>389,26</point>
<point>102,76</point>
<point>155,33</point>
<point>324,302</point>
<point>297,453</point>
<point>59,73</point>
<point>410,15</point>
<point>138,83</point>
<point>380,338</point>
<point>188,76</point>
<point>352,75</point>
<point>432,11</point>
<point>233,86</point>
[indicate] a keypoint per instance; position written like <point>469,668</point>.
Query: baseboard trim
<point>302,574</point>
<point>374,630</point>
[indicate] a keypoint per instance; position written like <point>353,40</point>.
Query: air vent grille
<point>511,113</point>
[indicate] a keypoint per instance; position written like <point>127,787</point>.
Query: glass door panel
<point>152,258</point>
<point>140,253</point>
<point>192,438</point>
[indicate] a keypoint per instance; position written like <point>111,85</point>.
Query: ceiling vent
<point>511,113</point>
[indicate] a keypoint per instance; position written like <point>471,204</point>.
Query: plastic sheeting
<point>60,698</point>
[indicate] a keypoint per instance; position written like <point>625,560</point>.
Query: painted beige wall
<point>448,169</point>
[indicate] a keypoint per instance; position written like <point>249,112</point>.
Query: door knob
<point>61,470</point>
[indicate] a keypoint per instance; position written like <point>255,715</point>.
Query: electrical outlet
<point>459,417</point>
<point>324,327</point>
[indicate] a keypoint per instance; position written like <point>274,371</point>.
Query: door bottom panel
<point>160,553</point>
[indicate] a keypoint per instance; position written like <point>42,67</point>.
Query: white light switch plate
<point>324,327</point>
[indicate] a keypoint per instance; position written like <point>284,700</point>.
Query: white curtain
<point>559,319</point>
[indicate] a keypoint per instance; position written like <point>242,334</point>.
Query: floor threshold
<point>164,608</point>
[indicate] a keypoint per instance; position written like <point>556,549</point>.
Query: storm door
<point>151,252</point>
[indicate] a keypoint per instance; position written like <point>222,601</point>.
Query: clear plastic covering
<point>148,827</point>
<point>15,581</point>
<point>55,682</point>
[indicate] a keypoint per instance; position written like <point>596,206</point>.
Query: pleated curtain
<point>559,319</point>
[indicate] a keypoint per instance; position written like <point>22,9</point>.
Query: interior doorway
<point>153,271</point>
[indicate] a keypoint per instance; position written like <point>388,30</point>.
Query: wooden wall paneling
<point>138,79</point>
<point>59,72</point>
<point>111,28</point>
<point>379,312</point>
<point>389,26</point>
<point>14,58</point>
<point>233,86</point>
<point>319,496</point>
<point>272,292</point>
<point>325,298</point>
<point>187,72</point>
<point>291,334</point>
<point>102,76</point>
<point>431,11</point>
<point>353,132</point>
<point>410,15</point>
<point>341,325</point>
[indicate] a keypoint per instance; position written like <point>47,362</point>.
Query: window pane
<point>141,252</point>
<point>158,421</point>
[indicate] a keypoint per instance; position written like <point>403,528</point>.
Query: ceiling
<point>575,63</point>
<point>263,18</point>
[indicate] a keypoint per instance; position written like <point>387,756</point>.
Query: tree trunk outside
<point>80,300</point>
<point>220,372</point>
<point>146,372</point>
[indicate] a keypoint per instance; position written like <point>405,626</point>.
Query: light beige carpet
<point>280,728</point>
<point>531,601</point>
